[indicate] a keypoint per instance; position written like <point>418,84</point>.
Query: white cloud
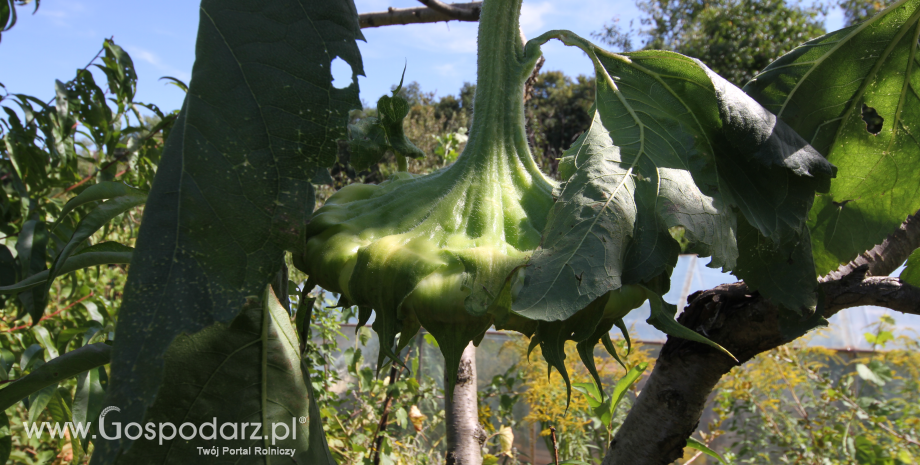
<point>63,15</point>
<point>532,16</point>
<point>447,69</point>
<point>140,54</point>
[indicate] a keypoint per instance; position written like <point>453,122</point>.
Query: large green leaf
<point>671,144</point>
<point>829,90</point>
<point>248,371</point>
<point>233,190</point>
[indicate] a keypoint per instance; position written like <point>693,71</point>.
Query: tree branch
<point>886,257</point>
<point>668,409</point>
<point>455,11</point>
<point>434,12</point>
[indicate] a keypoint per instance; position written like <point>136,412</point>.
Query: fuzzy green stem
<point>502,70</point>
<point>401,163</point>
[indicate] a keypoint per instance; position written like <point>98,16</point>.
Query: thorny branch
<point>434,12</point>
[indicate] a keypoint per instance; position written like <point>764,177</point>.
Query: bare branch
<point>452,12</point>
<point>456,11</point>
<point>881,291</point>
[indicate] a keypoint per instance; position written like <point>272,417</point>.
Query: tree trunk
<point>464,434</point>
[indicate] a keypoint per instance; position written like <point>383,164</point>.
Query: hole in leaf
<point>341,73</point>
<point>872,119</point>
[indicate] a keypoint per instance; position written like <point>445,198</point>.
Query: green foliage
<point>857,11</point>
<point>811,404</point>
<point>558,111</point>
<point>8,18</point>
<point>827,96</point>
<point>400,409</point>
<point>61,163</point>
<point>736,38</point>
<point>372,137</point>
<point>584,426</point>
<point>201,254</point>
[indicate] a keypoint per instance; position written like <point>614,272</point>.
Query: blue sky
<point>160,36</point>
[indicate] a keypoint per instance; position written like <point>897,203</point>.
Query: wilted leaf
<point>671,144</point>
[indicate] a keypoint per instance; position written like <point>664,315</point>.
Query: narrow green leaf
<point>835,91</point>
<point>58,408</point>
<point>247,371</point>
<point>33,239</point>
<point>119,69</point>
<point>88,398</point>
<point>592,394</point>
<point>34,354</point>
<point>58,369</point>
<point>694,444</point>
<point>608,344</point>
<point>232,191</point>
<point>102,191</point>
<point>39,400</point>
<point>176,82</point>
<point>621,325</point>
<point>6,438</point>
<point>624,383</point>
<point>7,359</point>
<point>8,270</point>
<point>44,337</point>
<point>93,221</point>
<point>91,256</point>
<point>662,317</point>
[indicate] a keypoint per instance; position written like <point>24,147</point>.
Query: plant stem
<point>552,431</point>
<point>502,69</point>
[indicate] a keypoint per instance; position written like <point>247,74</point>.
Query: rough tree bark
<point>668,409</point>
<point>465,435</point>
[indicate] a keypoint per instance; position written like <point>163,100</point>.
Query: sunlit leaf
<point>694,444</point>
<point>853,95</point>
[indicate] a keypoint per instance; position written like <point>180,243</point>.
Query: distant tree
<point>558,112</point>
<point>857,11</point>
<point>736,38</point>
